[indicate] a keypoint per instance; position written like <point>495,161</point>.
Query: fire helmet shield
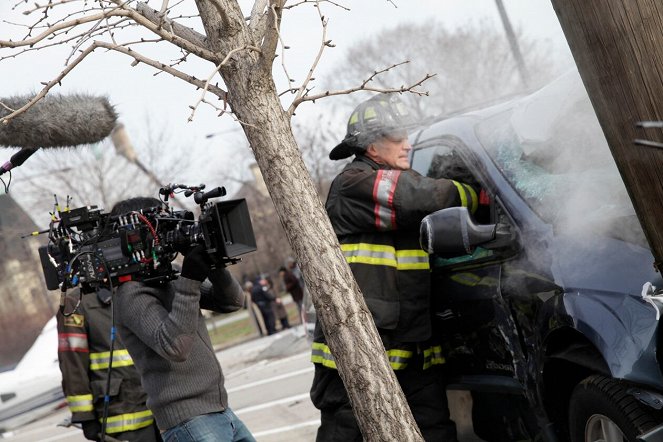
<point>381,115</point>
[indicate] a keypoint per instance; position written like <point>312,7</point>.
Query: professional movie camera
<point>89,246</point>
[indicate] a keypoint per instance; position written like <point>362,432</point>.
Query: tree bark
<point>379,404</point>
<point>618,47</point>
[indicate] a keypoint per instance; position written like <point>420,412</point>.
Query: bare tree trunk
<point>618,47</point>
<point>379,404</point>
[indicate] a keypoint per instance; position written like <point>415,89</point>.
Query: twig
<point>59,26</point>
<point>363,87</point>
<point>309,76</point>
<point>49,5</point>
<point>316,1</point>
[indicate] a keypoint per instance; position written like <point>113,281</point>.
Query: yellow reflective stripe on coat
<point>82,402</point>
<point>398,358</point>
<point>129,421</point>
<point>473,195</point>
<point>433,356</point>
<point>99,361</point>
<point>320,354</point>
<point>468,196</point>
<point>380,254</point>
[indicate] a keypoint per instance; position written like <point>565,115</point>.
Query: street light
<point>124,147</point>
<point>513,42</point>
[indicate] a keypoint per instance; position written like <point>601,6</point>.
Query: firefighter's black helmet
<point>381,115</point>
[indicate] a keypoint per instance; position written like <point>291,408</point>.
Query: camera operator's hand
<point>91,430</point>
<point>196,264</point>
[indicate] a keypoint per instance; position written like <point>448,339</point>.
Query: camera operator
<point>165,333</point>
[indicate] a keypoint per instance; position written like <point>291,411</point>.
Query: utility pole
<point>618,47</point>
<point>513,43</point>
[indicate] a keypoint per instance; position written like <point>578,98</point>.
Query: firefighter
<point>376,205</point>
<point>84,338</point>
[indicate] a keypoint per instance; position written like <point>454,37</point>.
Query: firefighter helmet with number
<point>383,115</point>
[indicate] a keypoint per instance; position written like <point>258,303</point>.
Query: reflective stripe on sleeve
<point>72,342</point>
<point>99,361</point>
<point>378,254</point>
<point>320,354</point>
<point>80,403</point>
<point>383,195</point>
<point>129,421</point>
<point>474,204</point>
<point>468,196</point>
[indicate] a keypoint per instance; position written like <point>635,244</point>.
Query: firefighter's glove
<point>91,430</point>
<point>196,264</point>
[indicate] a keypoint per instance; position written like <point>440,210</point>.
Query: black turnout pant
<point>424,391</point>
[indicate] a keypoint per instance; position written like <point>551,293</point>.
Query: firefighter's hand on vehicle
<point>196,264</point>
<point>91,430</point>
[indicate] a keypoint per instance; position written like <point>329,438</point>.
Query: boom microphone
<point>17,159</point>
<point>57,121</point>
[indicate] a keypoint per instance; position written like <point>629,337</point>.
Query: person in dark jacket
<point>84,355</point>
<point>375,206</point>
<point>264,298</point>
<point>293,286</point>
<point>165,332</point>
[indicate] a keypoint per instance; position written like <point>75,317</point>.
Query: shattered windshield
<point>568,176</point>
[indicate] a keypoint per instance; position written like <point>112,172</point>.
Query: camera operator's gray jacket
<point>165,333</point>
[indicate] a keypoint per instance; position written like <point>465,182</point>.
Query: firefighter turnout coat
<point>376,213</point>
<point>84,339</point>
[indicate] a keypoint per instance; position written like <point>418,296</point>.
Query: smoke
<point>552,149</point>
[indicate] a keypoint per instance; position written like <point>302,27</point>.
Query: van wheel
<point>600,410</point>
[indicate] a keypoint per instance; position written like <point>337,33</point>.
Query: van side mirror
<point>452,232</point>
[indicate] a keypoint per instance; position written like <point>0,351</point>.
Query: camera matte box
<point>231,224</point>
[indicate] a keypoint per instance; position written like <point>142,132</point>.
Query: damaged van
<point>546,298</point>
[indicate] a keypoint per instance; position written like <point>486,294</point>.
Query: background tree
<point>473,65</point>
<point>241,51</point>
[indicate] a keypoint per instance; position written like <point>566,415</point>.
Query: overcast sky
<point>137,94</point>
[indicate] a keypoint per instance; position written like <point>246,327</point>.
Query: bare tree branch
<point>171,36</point>
<point>164,8</point>
<point>302,89</point>
<point>272,34</point>
<point>182,31</point>
<point>209,78</point>
<point>63,25</point>
<point>364,87</point>
<point>119,48</point>
<point>123,10</point>
<point>258,20</point>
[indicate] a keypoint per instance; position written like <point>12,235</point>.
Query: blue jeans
<point>223,426</point>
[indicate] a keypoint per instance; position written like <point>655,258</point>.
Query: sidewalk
<point>276,346</point>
